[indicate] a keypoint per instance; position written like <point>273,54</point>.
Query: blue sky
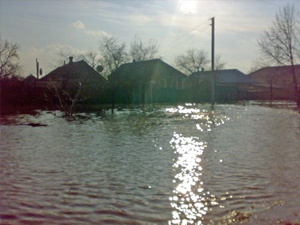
<point>43,27</point>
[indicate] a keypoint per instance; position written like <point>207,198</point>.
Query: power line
<point>180,39</point>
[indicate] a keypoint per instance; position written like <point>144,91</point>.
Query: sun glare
<point>188,6</point>
<point>188,200</point>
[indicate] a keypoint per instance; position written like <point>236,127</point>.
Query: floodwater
<point>185,164</point>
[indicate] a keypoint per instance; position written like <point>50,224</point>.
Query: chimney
<point>71,59</point>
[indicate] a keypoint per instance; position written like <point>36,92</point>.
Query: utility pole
<point>213,61</point>
<point>37,68</point>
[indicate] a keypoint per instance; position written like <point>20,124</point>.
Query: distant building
<point>230,85</point>
<point>150,81</point>
<point>274,82</point>
<point>30,81</point>
<point>74,77</point>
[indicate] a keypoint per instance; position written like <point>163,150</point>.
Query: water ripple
<point>186,164</point>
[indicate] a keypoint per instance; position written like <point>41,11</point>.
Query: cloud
<point>79,25</point>
<point>97,32</point>
<point>195,32</point>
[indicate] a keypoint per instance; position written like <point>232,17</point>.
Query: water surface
<point>185,164</point>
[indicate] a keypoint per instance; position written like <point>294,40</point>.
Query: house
<point>74,78</point>
<point>230,85</point>
<point>30,81</point>
<point>275,82</point>
<point>150,81</point>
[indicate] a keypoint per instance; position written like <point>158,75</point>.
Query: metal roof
<point>227,76</point>
<point>145,70</point>
<point>74,70</point>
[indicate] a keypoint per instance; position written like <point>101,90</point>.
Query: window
<point>174,83</point>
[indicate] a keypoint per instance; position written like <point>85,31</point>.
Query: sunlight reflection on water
<point>188,200</point>
<point>206,119</point>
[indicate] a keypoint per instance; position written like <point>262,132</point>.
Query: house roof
<point>30,78</point>
<point>74,70</point>
<point>145,70</point>
<point>280,74</point>
<point>227,76</point>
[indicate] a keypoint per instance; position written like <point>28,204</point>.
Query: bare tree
<point>66,93</point>
<point>219,63</point>
<point>192,60</point>
<point>258,64</point>
<point>280,44</point>
<point>9,59</point>
<point>64,55</point>
<point>140,51</point>
<point>113,54</point>
<point>92,58</point>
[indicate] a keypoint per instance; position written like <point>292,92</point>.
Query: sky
<point>44,27</point>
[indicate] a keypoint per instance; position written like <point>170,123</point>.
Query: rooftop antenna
<point>99,68</point>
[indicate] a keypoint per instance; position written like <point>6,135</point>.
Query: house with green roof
<point>150,81</point>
